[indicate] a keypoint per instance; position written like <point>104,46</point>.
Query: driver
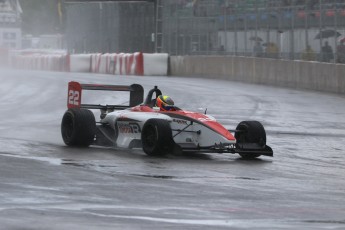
<point>165,103</point>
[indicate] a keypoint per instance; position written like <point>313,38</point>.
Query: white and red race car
<point>141,125</point>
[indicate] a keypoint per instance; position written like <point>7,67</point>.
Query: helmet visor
<point>167,107</point>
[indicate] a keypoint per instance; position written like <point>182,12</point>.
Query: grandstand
<point>203,27</point>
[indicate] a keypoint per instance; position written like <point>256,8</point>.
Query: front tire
<point>78,127</point>
<point>157,137</point>
<point>250,132</point>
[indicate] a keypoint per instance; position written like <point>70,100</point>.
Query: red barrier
<point>139,70</point>
<point>120,62</point>
<point>114,63</point>
<point>130,59</point>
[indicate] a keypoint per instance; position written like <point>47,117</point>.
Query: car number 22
<point>73,97</point>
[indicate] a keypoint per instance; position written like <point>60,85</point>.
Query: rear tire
<point>157,137</point>
<point>78,127</point>
<point>251,132</point>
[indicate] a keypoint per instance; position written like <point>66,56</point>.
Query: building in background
<point>10,24</point>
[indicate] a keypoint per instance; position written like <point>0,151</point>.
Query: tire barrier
<point>110,63</point>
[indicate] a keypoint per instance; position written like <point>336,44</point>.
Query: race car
<point>142,125</point>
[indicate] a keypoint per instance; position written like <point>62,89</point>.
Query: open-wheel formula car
<point>142,125</point>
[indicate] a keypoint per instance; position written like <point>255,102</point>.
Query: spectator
<point>258,50</point>
<point>327,52</point>
<point>341,53</point>
<point>308,54</point>
<point>272,50</point>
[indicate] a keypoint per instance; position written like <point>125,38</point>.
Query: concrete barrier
<point>155,64</point>
<point>340,72</point>
<point>80,63</point>
<point>327,77</point>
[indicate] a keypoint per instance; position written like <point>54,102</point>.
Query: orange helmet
<point>165,103</point>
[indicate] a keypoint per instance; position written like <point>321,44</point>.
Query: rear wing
<point>136,95</point>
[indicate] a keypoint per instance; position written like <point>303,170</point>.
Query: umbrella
<point>267,44</point>
<point>327,34</point>
<point>257,39</point>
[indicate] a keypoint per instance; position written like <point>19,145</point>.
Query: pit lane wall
<point>328,77</point>
<point>110,63</point>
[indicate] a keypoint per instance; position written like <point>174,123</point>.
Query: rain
<point>205,55</point>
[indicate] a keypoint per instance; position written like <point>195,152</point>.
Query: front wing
<point>248,148</point>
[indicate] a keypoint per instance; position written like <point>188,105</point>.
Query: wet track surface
<point>46,185</point>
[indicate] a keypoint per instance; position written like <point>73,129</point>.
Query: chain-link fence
<point>288,29</point>
<point>109,27</point>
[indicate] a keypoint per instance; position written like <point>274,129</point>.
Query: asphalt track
<point>46,185</point>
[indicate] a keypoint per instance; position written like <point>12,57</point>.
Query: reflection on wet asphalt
<point>53,186</point>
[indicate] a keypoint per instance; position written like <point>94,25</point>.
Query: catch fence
<point>286,29</point>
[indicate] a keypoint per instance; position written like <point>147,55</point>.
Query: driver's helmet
<point>165,103</point>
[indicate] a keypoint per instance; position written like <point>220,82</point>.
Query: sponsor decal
<point>123,117</point>
<point>232,146</point>
<point>183,122</point>
<point>205,119</point>
<point>224,146</point>
<point>129,128</point>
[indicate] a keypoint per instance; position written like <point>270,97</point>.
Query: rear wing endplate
<point>136,95</point>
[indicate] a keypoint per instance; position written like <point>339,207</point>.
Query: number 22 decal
<point>73,97</point>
